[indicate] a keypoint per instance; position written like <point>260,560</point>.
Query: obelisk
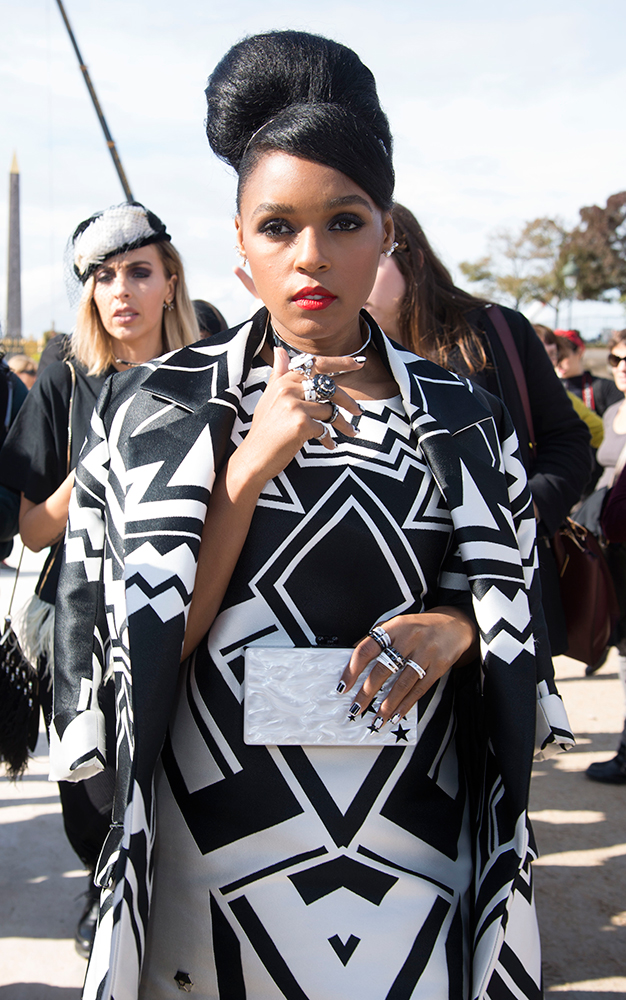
<point>14,286</point>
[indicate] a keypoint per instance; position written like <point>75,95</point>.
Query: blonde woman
<point>133,307</point>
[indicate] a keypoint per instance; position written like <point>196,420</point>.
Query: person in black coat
<point>415,302</point>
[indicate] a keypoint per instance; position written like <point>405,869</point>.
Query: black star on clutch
<point>401,734</point>
<point>183,981</point>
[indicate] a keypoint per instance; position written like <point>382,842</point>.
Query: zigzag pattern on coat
<point>136,517</point>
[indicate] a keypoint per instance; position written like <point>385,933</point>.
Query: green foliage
<point>545,262</point>
<point>523,265</point>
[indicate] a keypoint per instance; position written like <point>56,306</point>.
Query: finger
<point>365,651</point>
<point>326,365</point>
<point>246,281</point>
<point>325,437</point>
<point>319,412</point>
<point>281,363</point>
<point>346,402</point>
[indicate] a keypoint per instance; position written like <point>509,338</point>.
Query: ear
<point>239,235</point>
<point>171,287</point>
<point>388,232</point>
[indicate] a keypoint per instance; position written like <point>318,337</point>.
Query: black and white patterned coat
<point>158,435</point>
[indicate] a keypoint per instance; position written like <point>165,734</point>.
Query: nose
<point>119,287</point>
<point>310,254</point>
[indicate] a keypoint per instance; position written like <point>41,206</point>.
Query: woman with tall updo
<point>297,536</point>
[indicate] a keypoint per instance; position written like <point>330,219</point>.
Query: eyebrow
<point>276,208</point>
<point>132,263</point>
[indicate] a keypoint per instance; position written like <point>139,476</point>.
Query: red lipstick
<point>313,298</point>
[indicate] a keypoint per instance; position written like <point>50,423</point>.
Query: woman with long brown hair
<point>416,302</point>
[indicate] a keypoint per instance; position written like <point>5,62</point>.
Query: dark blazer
<point>560,466</point>
<point>159,435</point>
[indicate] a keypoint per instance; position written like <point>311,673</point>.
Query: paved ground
<point>580,878</point>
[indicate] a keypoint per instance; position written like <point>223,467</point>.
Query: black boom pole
<point>105,128</point>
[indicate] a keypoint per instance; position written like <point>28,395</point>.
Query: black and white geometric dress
<point>327,873</point>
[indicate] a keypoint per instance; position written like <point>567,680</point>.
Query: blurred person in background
<point>612,457</point>
<point>592,419</point>
<point>597,393</point>
<point>415,302</point>
<point>13,392</point>
<point>24,367</point>
<point>133,306</point>
<point>210,319</point>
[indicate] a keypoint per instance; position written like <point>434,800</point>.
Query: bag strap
<point>70,412</point>
<point>506,338</point>
<point>7,617</point>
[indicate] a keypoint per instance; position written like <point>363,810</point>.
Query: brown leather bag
<point>587,591</point>
<point>586,585</point>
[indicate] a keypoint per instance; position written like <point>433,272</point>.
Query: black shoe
<point>611,772</point>
<point>592,667</point>
<point>86,927</point>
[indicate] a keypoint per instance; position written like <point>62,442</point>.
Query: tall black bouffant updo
<point>305,95</point>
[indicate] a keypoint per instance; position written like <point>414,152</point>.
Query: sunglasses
<point>614,360</point>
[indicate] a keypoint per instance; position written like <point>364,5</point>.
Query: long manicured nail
<point>355,710</point>
<point>377,724</point>
<point>395,718</point>
<point>341,687</point>
<point>361,359</point>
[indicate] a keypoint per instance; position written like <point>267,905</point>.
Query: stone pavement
<point>580,878</point>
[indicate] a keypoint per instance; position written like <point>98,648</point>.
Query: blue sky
<point>501,112</point>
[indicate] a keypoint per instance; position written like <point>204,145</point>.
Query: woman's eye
<point>275,227</point>
<point>103,277</point>
<point>141,272</point>
<point>347,224</point>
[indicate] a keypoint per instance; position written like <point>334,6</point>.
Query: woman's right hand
<point>283,420</point>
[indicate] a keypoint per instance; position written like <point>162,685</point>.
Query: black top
<point>33,460</point>
<point>603,394</point>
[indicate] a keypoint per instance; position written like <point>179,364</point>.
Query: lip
<point>312,298</point>
<point>125,315</point>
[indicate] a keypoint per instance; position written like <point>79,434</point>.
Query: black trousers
<point>86,805</point>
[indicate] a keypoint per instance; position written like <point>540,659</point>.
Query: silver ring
<point>302,363</point>
<point>382,638</point>
<point>421,673</point>
<point>334,414</point>
<point>324,433</point>
<point>310,395</point>
<point>325,388</point>
<point>391,659</point>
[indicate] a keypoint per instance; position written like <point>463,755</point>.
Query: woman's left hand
<point>436,640</point>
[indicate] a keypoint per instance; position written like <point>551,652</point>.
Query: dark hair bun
<point>266,79</point>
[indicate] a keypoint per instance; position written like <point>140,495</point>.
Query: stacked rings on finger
<point>310,395</point>
<point>421,673</point>
<point>334,414</point>
<point>302,363</point>
<point>325,388</point>
<point>391,658</point>
<point>382,638</point>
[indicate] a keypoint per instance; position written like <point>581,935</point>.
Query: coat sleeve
<point>562,464</point>
<point>77,732</point>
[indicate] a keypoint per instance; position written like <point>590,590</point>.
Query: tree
<point>598,248</point>
<point>524,266</point>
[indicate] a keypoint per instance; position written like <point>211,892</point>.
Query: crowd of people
<point>300,603</point>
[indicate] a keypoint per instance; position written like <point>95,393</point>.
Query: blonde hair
<point>20,363</point>
<point>91,344</point>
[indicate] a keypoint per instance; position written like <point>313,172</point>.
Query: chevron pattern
<point>142,488</point>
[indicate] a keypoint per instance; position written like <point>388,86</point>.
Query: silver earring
<point>169,306</point>
<point>242,254</point>
<point>388,253</point>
